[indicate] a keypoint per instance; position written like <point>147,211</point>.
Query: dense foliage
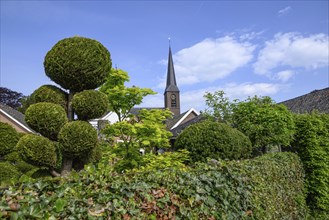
<point>37,150</point>
<point>10,97</point>
<point>8,173</point>
<point>214,140</point>
<point>90,104</point>
<point>77,138</point>
<point>78,63</point>
<point>220,190</point>
<point>52,94</point>
<point>46,118</point>
<point>312,144</point>
<point>121,98</point>
<point>8,138</point>
<point>264,122</point>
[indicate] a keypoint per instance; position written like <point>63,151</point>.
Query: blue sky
<point>246,48</point>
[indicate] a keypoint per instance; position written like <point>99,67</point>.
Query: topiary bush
<point>90,104</point>
<point>78,63</point>
<point>215,140</point>
<point>8,172</point>
<point>37,150</point>
<point>52,94</point>
<point>312,144</point>
<point>46,118</point>
<point>77,138</point>
<point>8,138</point>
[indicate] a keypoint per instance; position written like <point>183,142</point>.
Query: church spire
<point>171,94</point>
<point>171,78</point>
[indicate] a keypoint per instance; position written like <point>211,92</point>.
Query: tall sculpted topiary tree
<point>78,65</point>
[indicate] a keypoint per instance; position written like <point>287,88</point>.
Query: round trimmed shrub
<point>214,140</point>
<point>77,138</point>
<point>78,63</point>
<point>8,172</point>
<point>8,138</point>
<point>37,150</point>
<point>52,94</point>
<point>90,104</point>
<point>46,118</point>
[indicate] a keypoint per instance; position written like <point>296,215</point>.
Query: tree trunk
<point>70,112</point>
<point>54,173</point>
<point>67,166</point>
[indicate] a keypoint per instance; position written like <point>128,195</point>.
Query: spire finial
<point>169,41</point>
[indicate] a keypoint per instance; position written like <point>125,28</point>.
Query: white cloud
<point>232,90</point>
<point>285,75</point>
<point>211,59</point>
<point>293,50</point>
<point>195,99</point>
<point>284,11</point>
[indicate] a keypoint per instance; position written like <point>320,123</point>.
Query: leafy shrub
<point>264,122</point>
<point>8,138</point>
<point>90,104</point>
<point>77,138</point>
<point>37,150</point>
<point>312,144</point>
<point>8,172</point>
<point>78,63</point>
<point>18,162</point>
<point>46,118</point>
<point>52,94</point>
<point>167,160</point>
<point>218,190</point>
<point>215,140</point>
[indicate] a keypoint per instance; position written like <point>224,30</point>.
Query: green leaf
<point>60,204</point>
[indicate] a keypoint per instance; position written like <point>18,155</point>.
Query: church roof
<point>315,100</point>
<point>171,78</point>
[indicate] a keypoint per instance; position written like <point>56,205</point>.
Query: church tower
<point>171,94</point>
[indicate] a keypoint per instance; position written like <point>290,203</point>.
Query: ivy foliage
<point>8,138</point>
<point>46,118</point>
<point>78,63</point>
<point>312,144</point>
<point>37,150</point>
<point>217,190</point>
<point>214,140</point>
<point>50,93</point>
<point>89,104</point>
<point>77,138</point>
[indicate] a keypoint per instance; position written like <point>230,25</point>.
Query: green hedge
<point>214,140</point>
<point>90,104</point>
<point>46,118</point>
<point>268,187</point>
<point>312,144</point>
<point>8,138</point>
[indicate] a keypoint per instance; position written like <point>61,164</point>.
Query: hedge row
<point>312,145</point>
<point>268,187</point>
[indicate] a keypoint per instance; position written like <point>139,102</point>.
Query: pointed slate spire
<point>171,78</point>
